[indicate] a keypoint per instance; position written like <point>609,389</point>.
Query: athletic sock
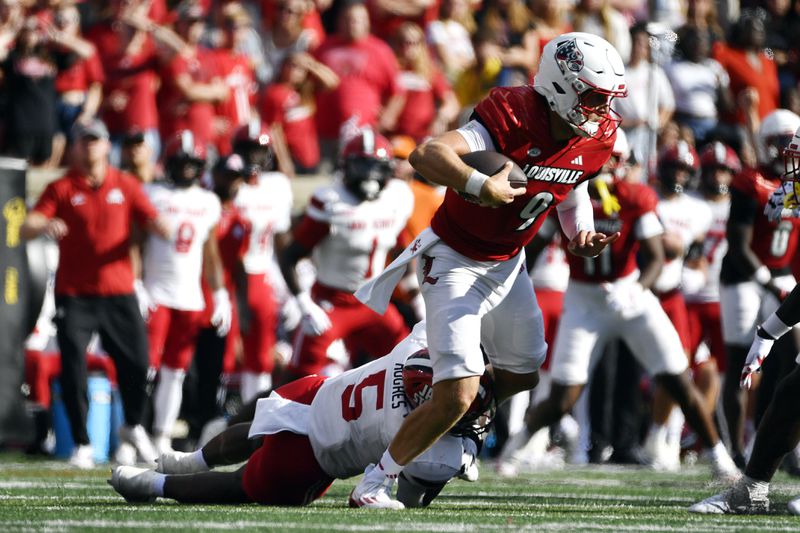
<point>167,399</point>
<point>197,459</point>
<point>388,466</point>
<point>158,484</point>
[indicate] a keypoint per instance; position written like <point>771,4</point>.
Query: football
<point>490,163</point>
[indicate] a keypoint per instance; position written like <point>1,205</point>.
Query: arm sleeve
<point>310,231</point>
<point>575,213</point>
<point>477,136</point>
<point>48,202</point>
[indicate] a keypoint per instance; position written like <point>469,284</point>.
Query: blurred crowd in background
<point>313,71</point>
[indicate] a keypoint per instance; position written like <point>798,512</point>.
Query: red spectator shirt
<point>742,74</point>
<point>81,75</point>
<point>422,98</point>
<point>367,71</point>
<point>233,236</point>
<point>619,259</point>
<point>94,256</point>
<point>178,113</point>
<point>129,97</point>
<point>235,70</point>
<point>383,23</point>
<point>281,103</point>
<point>518,119</point>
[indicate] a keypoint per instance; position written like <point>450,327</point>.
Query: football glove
<point>222,313</point>
<point>315,319</point>
<point>784,202</point>
<point>146,303</point>
<point>759,351</point>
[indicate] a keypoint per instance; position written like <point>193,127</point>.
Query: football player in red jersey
<point>756,270</point>
<point>779,430</point>
<point>560,131</point>
<point>609,298</point>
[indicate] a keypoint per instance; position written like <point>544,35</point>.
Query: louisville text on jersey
<point>553,174</point>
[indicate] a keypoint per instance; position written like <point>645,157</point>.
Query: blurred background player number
<point>780,239</point>
<point>184,237</point>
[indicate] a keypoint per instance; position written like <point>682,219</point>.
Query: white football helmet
<point>774,135</point>
<point>575,66</point>
<point>791,158</point>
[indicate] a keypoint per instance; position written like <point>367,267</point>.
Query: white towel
<point>377,292</point>
<point>275,414</point>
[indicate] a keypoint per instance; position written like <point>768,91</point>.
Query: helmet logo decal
<point>568,54</point>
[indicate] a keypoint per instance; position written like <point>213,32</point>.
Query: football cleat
<point>794,506</point>
<point>178,463</point>
<point>374,492</point>
<point>744,497</point>
<point>137,437</point>
<point>82,457</point>
<point>724,470</point>
<point>134,484</point>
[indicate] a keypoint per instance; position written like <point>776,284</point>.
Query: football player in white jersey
<point>265,202</point>
<point>170,287</point>
<point>686,220</point>
<point>314,430</point>
<point>348,230</point>
<point>718,164</point>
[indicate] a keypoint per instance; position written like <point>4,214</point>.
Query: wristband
<point>475,183</point>
<point>775,327</point>
<point>762,275</point>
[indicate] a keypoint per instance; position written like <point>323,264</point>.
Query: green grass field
<point>37,496</point>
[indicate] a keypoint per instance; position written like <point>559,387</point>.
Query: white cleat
<point>162,445</point>
<point>724,470</point>
<point>134,484</point>
<point>470,473</point>
<point>507,469</point>
<point>665,458</point>
<point>178,463</point>
<point>794,506</point>
<point>125,454</point>
<point>374,494</point>
<point>741,498</point>
<point>137,437</point>
<point>82,457</point>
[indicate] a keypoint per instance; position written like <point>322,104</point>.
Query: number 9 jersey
<point>518,121</point>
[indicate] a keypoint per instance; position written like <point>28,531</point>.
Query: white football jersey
<point>715,247</point>
<point>267,207</point>
<point>355,415</point>
<point>361,233</point>
<point>551,270</point>
<point>689,217</point>
<point>172,268</point>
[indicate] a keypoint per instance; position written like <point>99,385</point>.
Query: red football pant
<point>284,471</point>
<point>362,330</point>
<point>259,339</point>
<point>551,303</point>
<point>42,367</point>
<point>705,324</point>
<point>172,335</point>
<point>675,306</point>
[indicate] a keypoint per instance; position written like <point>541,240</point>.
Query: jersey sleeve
<point>315,224</point>
<point>47,204</point>
<point>646,200</point>
<point>744,208</point>
<point>283,221</point>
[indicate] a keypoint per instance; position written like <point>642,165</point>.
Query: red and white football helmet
<point>418,387</point>
<point>677,165</point>
<point>253,142</point>
<point>367,164</point>
<point>184,159</point>
<point>579,75</point>
<point>791,158</point>
<point>774,135</point>
<point>713,158</point>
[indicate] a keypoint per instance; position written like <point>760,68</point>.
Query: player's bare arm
<point>651,251</point>
<point>37,224</point>
<point>438,160</point>
<point>740,236</point>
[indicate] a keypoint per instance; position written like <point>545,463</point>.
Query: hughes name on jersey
<point>518,120</point>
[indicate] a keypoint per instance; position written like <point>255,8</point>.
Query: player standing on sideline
<point>265,202</point>
<point>779,430</point>
<point>348,229</point>
<point>756,270</point>
<point>561,132</point>
<point>172,268</point>
<point>608,298</point>
<point>718,164</point>
<point>314,430</point>
<point>686,220</point>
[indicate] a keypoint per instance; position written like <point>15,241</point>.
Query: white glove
<point>221,315</point>
<point>759,351</point>
<point>626,298</point>
<point>783,203</point>
<point>146,303</point>
<point>315,319</point>
<point>291,314</point>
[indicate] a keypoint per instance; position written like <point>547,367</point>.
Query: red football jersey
<point>518,118</point>
<point>773,242</point>
<point>619,259</point>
